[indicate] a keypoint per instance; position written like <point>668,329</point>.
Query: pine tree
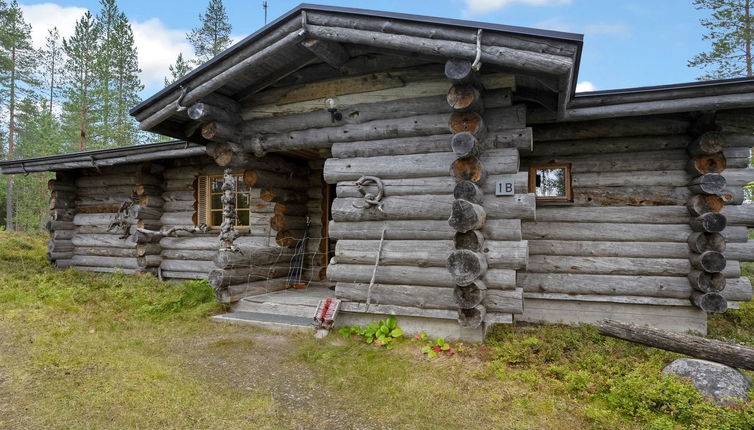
<point>78,109</point>
<point>126,83</point>
<point>177,70</point>
<point>106,22</point>
<point>51,68</point>
<point>17,78</point>
<point>731,30</point>
<point>213,36</point>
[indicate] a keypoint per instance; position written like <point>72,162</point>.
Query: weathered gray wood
<point>502,56</point>
<point>178,218</point>
<point>707,282</point>
<point>468,169</point>
<point>619,232</point>
<point>472,318</point>
<point>430,207</point>
<point>208,113</point>
<point>102,241</point>
<point>710,222</point>
<point>182,254</point>
<point>331,53</point>
<point>732,196</point>
<point>497,161</point>
<point>460,72</point>
<point>710,142</point>
<point>431,30</point>
<point>611,127</point>
<point>170,274</point>
<point>710,302</point>
<point>466,216</point>
<point>611,145</point>
<point>466,266</point>
<point>618,266</point>
<point>467,297</point>
<point>219,278</point>
<point>708,261</point>
<point>234,293</point>
<point>468,191</point>
<point>733,355</point>
<point>636,214</point>
<point>701,204</point>
<point>421,297</point>
<point>644,161</point>
<point>263,179</point>
<point>428,253</point>
<point>739,177</point>
<point>179,206</point>
<point>97,261</point>
<point>613,285</point>
<point>472,240</point>
<point>89,219</point>
<point>502,229</point>
<point>710,183</point>
<point>672,178</point>
<point>740,251</point>
<point>739,214</point>
<point>108,180</point>
<point>501,279</point>
<point>206,243</point>
<point>187,265</point>
<point>588,248</point>
<point>464,144</point>
<point>434,185</point>
<point>700,242</point>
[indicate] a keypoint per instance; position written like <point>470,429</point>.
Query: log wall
<point>625,237</point>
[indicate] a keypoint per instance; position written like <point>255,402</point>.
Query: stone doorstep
<point>267,321</point>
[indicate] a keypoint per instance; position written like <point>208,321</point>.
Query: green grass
<point>81,350</point>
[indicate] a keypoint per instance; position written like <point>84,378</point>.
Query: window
<point>551,182</point>
<point>210,205</point>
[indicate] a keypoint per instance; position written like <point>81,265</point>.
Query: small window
<point>551,182</point>
<point>209,201</point>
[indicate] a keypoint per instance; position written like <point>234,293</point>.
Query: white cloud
<point>554,24</point>
<point>45,16</point>
<point>475,7</point>
<point>585,86</point>
<point>158,48</point>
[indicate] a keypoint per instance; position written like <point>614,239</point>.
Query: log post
<point>208,113</point>
<point>706,244</point>
<point>147,252</point>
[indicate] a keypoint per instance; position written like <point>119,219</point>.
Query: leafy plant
<point>382,333</point>
<point>439,346</point>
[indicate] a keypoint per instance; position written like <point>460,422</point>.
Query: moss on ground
<point>82,350</point>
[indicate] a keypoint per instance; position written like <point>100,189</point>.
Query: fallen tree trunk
<point>738,356</point>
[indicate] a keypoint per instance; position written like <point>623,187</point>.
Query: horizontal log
<point>497,161</point>
<point>430,207</point>
<point>670,160</point>
<point>258,256</point>
<point>740,251</point>
<point>102,241</point>
<point>262,179</point>
<point>739,214</point>
<point>62,234</point>
<point>93,219</point>
<point>634,214</point>
<point>171,274</point>
<point>618,266</point>
<point>185,254</point>
<point>143,249</point>
<point>110,180</point>
<point>108,262</point>
<point>179,206</point>
<point>630,196</point>
<point>103,269</point>
<point>149,261</point>
<point>205,112</point>
<point>206,243</point>
<point>619,232</point>
<point>235,293</point>
<point>701,204</point>
<point>732,196</point>
<point>510,301</point>
<point>610,145</point>
<point>62,255</point>
<point>500,279</point>
<point>187,265</point>
<point>609,249</point>
<point>178,218</point>
<point>280,195</point>
<point>181,196</point>
<point>434,185</point>
<point>665,178</point>
<point>284,222</point>
<point>513,138</point>
<point>220,278</point>
<point>739,177</point>
<point>611,127</point>
<point>502,56</point>
<point>420,230</point>
<point>60,245</point>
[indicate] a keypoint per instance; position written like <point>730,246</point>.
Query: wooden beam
<point>332,53</point>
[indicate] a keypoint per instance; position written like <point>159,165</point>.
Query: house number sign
<point>504,187</point>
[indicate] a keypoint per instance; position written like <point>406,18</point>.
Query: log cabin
<point>438,170</point>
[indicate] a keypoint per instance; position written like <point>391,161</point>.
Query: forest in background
<point>74,94</point>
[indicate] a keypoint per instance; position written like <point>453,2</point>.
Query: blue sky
<point>627,43</point>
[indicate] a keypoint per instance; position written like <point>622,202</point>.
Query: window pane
<point>217,217</point>
<point>243,218</point>
<point>551,182</point>
<point>243,201</point>
<point>240,186</point>
<point>217,185</point>
<point>217,202</point>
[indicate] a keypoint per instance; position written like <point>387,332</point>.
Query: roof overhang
<point>276,50</point>
<point>104,157</point>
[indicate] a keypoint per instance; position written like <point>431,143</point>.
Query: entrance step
<point>267,321</point>
<point>292,302</point>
